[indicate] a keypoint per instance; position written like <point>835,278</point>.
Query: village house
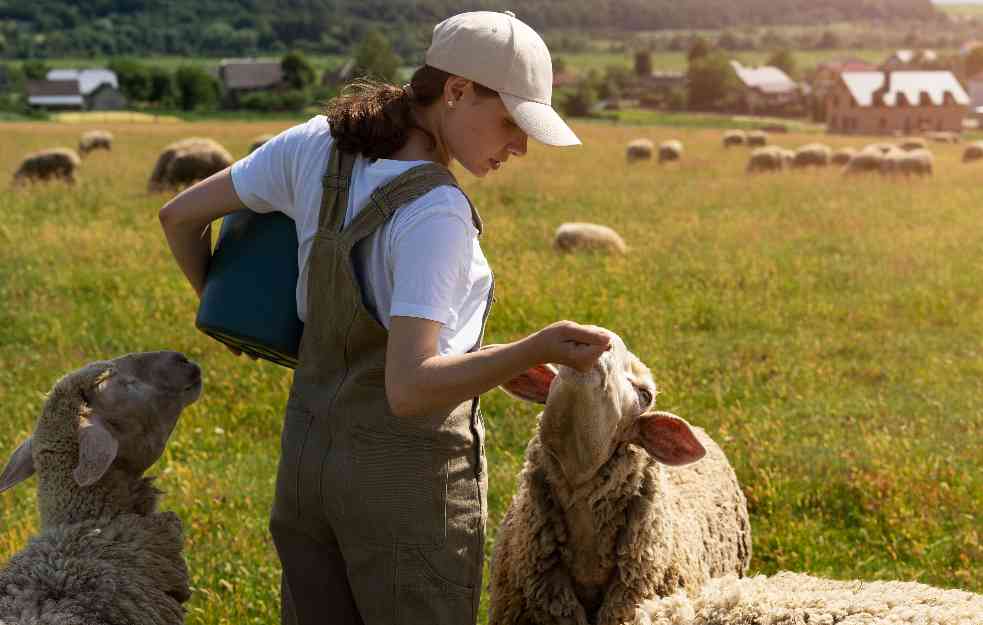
<point>766,89</point>
<point>896,102</point>
<point>99,88</point>
<point>241,76</point>
<point>826,77</point>
<point>55,95</point>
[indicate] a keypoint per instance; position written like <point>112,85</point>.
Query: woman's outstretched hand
<point>572,344</point>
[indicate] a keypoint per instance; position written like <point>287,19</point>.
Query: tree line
<point>59,28</point>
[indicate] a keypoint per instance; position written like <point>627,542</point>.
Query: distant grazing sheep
<point>572,237</point>
<point>104,555</point>
<point>95,140</point>
<point>186,161</point>
<point>639,150</point>
<point>943,136</point>
<point>757,138</point>
<point>796,599</point>
<point>973,152</point>
<point>259,140</point>
<point>913,143</point>
<point>51,164</point>
<point>880,148</point>
<point>671,150</point>
<point>734,137</point>
<point>768,158</point>
<point>917,162</point>
<point>788,157</point>
<point>617,504</point>
<point>842,156</point>
<point>812,155</point>
<point>864,161</point>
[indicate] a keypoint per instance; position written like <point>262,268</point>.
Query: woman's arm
<point>187,218</point>
<point>418,381</point>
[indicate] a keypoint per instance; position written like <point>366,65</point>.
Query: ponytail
<point>374,118</point>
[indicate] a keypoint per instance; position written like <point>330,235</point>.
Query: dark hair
<point>374,118</point>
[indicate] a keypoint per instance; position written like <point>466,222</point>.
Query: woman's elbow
<point>168,215</point>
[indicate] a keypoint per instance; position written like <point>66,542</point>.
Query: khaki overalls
<point>377,519</point>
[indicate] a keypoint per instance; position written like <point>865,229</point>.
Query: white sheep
<point>577,236</point>
<point>109,557</point>
<point>916,162</point>
<point>757,138</point>
<point>186,161</point>
<point>797,599</point>
<point>973,152</point>
<point>842,156</point>
<point>812,155</point>
<point>95,140</point>
<point>50,164</point>
<point>768,158</point>
<point>639,150</point>
<point>616,503</point>
<point>671,150</point>
<point>734,137</point>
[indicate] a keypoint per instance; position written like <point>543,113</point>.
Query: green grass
<point>826,332</point>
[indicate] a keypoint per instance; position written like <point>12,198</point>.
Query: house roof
<point>847,65</point>
<point>88,79</point>
<point>862,86</point>
<point>250,73</point>
<point>766,78</point>
<point>53,88</point>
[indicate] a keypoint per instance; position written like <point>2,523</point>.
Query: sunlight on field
<point>825,331</point>
<point>102,117</point>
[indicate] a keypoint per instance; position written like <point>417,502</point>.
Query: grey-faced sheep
<point>259,140</point>
<point>842,156</point>
<point>51,164</point>
<point>768,158</point>
<point>187,161</point>
<point>757,138</point>
<point>734,137</point>
<point>671,150</point>
<point>796,599</point>
<point>95,140</point>
<point>639,150</point>
<point>576,236</point>
<point>104,555</point>
<point>913,143</point>
<point>973,152</point>
<point>616,503</point>
<point>918,162</point>
<point>812,155</point>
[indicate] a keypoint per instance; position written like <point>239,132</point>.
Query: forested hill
<point>38,28</point>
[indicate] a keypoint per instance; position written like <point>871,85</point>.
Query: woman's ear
<point>455,88</point>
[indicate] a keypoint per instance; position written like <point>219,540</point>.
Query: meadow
<point>825,331</point>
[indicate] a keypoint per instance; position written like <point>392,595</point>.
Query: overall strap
<point>335,186</point>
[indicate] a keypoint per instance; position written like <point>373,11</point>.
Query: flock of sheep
<point>624,515</point>
<point>180,163</point>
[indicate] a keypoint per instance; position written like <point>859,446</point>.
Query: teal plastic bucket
<point>249,301</point>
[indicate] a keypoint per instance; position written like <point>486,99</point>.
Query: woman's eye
<point>644,396</point>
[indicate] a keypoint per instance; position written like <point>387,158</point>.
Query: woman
<point>380,503</point>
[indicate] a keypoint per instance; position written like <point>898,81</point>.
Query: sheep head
<point>588,415</point>
<point>126,411</point>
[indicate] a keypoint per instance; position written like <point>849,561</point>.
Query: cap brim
<point>539,121</point>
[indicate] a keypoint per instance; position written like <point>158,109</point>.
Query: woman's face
<point>477,129</point>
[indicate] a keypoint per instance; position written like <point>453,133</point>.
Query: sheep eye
<point>645,396</point>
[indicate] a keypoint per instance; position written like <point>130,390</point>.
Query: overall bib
<point>377,519</point>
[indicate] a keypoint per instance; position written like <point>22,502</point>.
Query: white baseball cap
<point>504,54</point>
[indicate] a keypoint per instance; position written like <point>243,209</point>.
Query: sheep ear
<point>97,450</point>
<point>668,439</point>
<point>19,467</point>
<point>532,385</point>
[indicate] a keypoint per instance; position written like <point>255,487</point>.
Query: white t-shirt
<point>424,262</point>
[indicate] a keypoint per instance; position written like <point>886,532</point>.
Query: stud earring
<point>450,103</point>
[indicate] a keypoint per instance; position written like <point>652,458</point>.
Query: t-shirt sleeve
<point>264,180</point>
<point>431,255</point>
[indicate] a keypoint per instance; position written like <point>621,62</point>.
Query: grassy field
<point>826,332</point>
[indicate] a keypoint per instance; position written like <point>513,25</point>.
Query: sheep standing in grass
<point>913,143</point>
<point>616,504</point>
<point>104,554</point>
<point>915,163</point>
<point>943,136</point>
<point>51,164</point>
<point>796,599</point>
<point>973,152</point>
<point>734,137</point>
<point>95,140</point>
<point>768,158</point>
<point>864,161</point>
<point>671,150</point>
<point>812,155</point>
<point>639,150</point>
<point>842,156</point>
<point>757,138</point>
<point>187,161</point>
<point>575,236</point>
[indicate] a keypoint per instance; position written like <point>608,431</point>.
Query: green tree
<point>297,71</point>
<point>35,70</point>
<point>581,103</point>
<point>710,80</point>
<point>196,89</point>
<point>134,78</point>
<point>643,63</point>
<point>375,57</point>
<point>784,60</point>
<point>161,86</point>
